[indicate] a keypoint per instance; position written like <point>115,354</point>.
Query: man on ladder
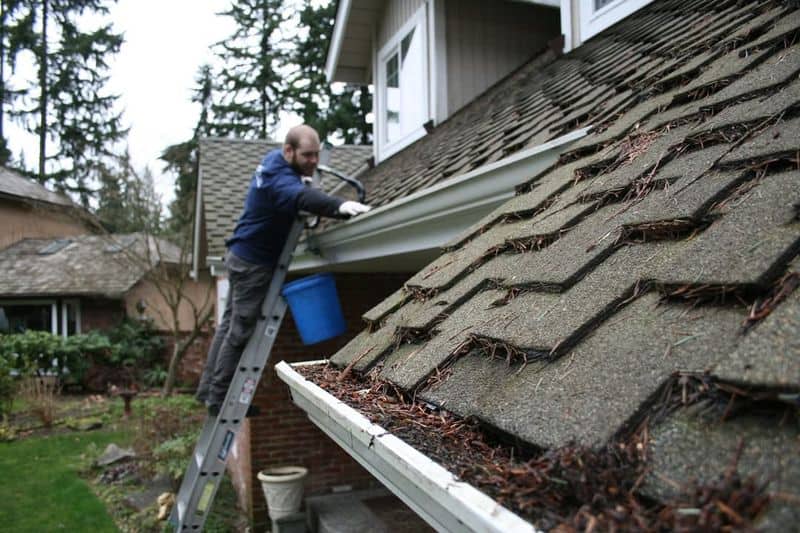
<point>278,192</point>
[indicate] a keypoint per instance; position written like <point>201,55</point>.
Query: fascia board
<point>435,494</point>
<point>339,26</point>
<point>429,218</point>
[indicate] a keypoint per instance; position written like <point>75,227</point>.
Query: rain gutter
<point>426,487</point>
<point>427,219</point>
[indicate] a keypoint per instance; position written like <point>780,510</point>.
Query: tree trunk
<point>2,73</point>
<point>43,93</point>
<point>178,349</point>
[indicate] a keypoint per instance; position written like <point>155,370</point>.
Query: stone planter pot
<point>283,489</point>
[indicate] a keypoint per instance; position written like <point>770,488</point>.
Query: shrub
<point>48,354</point>
<point>132,347</point>
<point>136,343</point>
<point>8,387</point>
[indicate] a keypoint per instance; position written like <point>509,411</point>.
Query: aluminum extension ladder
<point>207,464</point>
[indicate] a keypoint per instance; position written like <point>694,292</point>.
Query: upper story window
<point>597,15</point>
<point>403,86</point>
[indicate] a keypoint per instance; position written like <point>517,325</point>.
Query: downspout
<point>435,494</point>
<point>198,217</point>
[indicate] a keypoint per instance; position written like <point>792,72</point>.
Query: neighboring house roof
<point>227,167</point>
<point>107,265</point>
<point>16,185</point>
<point>561,316</point>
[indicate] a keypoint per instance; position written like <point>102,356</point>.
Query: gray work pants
<point>247,287</point>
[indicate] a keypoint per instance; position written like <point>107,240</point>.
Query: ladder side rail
<point>228,423</point>
<point>256,351</point>
<point>207,464</point>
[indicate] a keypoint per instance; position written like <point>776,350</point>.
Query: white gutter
<point>428,219</point>
<point>431,491</point>
<point>342,14</point>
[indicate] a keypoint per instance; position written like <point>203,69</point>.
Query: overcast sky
<point>165,43</point>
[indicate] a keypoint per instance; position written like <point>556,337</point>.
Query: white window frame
<point>64,311</point>
<point>420,21</point>
<point>580,21</point>
<point>594,21</point>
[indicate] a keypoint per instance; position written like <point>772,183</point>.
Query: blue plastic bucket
<point>315,308</point>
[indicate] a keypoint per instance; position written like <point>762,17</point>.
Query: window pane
<point>24,317</point>
<point>406,107</point>
<point>405,44</point>
<point>72,318</point>
<point>392,72</point>
<point>392,97</point>
<point>599,4</point>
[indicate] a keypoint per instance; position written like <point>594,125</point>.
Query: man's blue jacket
<point>275,196</point>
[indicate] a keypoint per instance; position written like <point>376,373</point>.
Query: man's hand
<point>308,181</point>
<point>352,209</point>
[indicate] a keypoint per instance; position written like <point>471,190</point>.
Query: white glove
<point>353,208</point>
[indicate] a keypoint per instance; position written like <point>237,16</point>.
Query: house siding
<point>282,434</point>
<point>23,221</point>
<point>396,14</point>
<point>201,292</point>
<point>487,40</point>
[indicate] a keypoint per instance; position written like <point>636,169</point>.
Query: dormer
<point>428,58</point>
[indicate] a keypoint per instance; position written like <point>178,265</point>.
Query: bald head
<point>301,149</point>
<point>300,133</point>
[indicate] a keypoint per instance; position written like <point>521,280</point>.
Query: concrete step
<point>343,513</point>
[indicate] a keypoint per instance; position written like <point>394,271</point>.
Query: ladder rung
<point>198,489</point>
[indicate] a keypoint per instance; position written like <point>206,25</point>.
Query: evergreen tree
<point>16,34</point>
<point>76,122</point>
<point>334,112</point>
<point>126,200</point>
<point>182,159</point>
<point>251,85</point>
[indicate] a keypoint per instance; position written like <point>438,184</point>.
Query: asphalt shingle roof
<point>227,165</point>
<point>14,184</point>
<point>559,316</point>
<point>80,265</point>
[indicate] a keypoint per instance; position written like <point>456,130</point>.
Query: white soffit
<point>350,51</point>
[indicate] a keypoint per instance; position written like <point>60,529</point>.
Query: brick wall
<point>282,434</point>
<point>101,314</point>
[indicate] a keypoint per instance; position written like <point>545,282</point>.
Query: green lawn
<point>40,489</point>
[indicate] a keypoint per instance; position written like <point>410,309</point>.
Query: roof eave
<point>335,47</point>
<point>443,501</point>
<point>428,219</point>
